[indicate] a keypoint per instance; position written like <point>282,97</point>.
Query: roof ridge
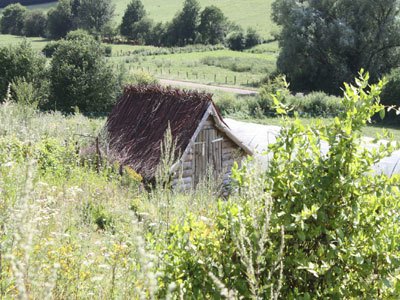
<point>181,94</point>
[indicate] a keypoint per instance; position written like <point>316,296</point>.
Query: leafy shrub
<point>236,40</point>
<point>21,62</point>
<point>313,225</point>
<point>316,104</point>
<point>108,51</point>
<point>80,76</point>
<point>264,101</point>
<point>252,38</point>
<point>50,48</point>
<point>338,217</point>
<point>229,105</point>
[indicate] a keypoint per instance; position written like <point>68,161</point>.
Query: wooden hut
<point>141,117</point>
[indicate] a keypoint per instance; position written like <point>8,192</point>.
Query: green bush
<point>313,225</point>
<point>316,104</point>
<point>230,105</point>
<point>236,40</point>
<point>50,48</point>
<point>264,102</point>
<point>252,38</point>
<point>81,77</point>
<point>21,61</point>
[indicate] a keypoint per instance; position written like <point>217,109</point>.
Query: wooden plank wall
<point>222,155</point>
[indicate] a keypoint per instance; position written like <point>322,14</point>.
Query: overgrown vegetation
<point>314,224</point>
<point>78,76</point>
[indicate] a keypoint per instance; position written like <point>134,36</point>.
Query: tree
<point>60,20</point>
<point>252,38</point>
<point>81,77</point>
<point>184,25</point>
<point>20,62</point>
<point>133,13</point>
<point>35,23</point>
<point>236,40</point>
<point>93,15</point>
<point>324,43</point>
<point>12,21</point>
<point>142,30</point>
<point>213,25</point>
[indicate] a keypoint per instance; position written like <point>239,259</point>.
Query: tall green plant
<point>340,218</point>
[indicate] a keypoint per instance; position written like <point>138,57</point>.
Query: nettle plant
<point>340,218</point>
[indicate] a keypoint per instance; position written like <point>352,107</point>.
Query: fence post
<point>98,153</point>
<point>234,80</point>
<point>215,77</point>
<point>187,75</point>
<point>226,79</point>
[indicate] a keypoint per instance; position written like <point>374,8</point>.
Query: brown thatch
<point>138,123</point>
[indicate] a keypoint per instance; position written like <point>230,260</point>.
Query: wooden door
<point>207,154</point>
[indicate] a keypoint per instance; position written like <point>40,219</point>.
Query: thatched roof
<point>139,120</point>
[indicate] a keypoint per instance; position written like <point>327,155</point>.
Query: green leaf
<point>382,114</point>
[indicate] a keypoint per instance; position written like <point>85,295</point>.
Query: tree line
<point>4,3</point>
<point>191,25</point>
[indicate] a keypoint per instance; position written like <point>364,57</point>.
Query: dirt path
<point>211,87</point>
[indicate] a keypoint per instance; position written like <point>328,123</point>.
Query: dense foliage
<point>12,20</point>
<point>317,224</point>
<point>21,62</point>
<point>325,43</point>
<point>134,13</point>
<point>80,76</point>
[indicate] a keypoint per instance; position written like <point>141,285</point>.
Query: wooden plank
<point>228,163</point>
<point>187,165</point>
<point>227,156</point>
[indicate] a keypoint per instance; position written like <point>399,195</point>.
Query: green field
<point>37,42</point>
<point>254,13</point>
<point>222,67</point>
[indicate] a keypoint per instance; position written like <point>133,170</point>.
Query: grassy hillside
<point>255,13</point>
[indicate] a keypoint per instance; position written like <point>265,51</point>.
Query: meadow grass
<point>37,42</point>
<point>219,67</point>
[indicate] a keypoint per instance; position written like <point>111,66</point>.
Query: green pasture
<point>219,67</point>
<point>37,42</point>
<point>254,13</point>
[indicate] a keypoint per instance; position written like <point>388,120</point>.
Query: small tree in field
<point>80,76</point>
<point>213,25</point>
<point>133,14</point>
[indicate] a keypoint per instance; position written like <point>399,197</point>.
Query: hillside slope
<point>254,13</point>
